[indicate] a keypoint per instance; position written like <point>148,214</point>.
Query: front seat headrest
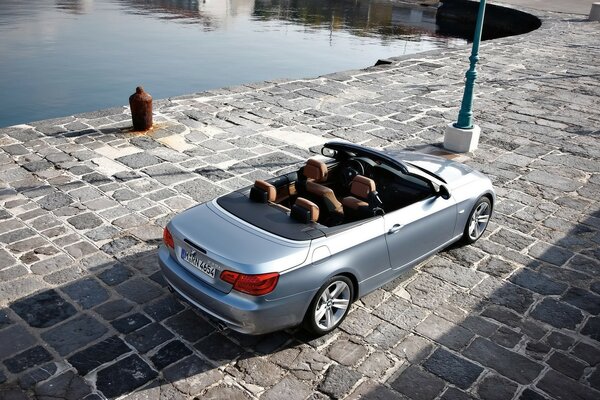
<point>316,170</point>
<point>362,186</point>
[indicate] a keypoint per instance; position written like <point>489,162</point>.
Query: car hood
<point>450,171</point>
<point>234,244</point>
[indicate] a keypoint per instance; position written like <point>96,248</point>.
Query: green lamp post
<point>463,136</point>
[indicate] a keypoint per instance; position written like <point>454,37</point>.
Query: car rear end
<point>232,271</point>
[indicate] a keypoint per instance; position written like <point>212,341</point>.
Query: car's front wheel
<point>478,220</point>
<point>330,306</point>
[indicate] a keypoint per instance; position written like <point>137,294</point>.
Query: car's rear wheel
<point>478,220</point>
<point>330,306</point>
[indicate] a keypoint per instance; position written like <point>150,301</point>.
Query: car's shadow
<point>119,328</point>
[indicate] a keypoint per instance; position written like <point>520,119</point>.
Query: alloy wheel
<point>332,305</point>
<point>479,220</point>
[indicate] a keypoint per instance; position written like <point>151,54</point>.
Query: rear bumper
<point>240,312</point>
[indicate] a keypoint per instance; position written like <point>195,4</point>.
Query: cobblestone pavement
<point>86,315</point>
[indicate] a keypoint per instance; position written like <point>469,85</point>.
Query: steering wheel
<point>350,170</point>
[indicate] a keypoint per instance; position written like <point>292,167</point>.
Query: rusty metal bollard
<point>141,109</point>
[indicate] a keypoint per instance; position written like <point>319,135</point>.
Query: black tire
<point>476,225</point>
<point>310,319</point>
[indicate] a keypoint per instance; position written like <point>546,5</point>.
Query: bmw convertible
<point>299,248</point>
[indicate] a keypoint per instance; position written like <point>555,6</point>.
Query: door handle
<point>395,228</point>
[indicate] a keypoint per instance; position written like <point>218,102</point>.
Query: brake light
<point>168,239</point>
<point>229,276</point>
<point>255,285</point>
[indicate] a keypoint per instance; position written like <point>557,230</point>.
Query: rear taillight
<point>229,276</point>
<point>256,285</point>
<point>168,239</point>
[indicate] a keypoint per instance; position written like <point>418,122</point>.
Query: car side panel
<point>414,231</point>
<point>360,252</point>
<point>463,209</point>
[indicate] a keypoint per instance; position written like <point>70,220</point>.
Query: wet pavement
<point>86,315</point>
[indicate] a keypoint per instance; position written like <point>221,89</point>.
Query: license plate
<point>198,261</point>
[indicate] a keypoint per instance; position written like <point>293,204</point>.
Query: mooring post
<point>141,109</point>
<point>463,136</point>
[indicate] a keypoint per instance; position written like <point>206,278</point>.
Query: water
<point>63,57</point>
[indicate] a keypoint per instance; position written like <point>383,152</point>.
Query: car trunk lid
<point>209,241</point>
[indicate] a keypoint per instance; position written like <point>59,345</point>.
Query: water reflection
<point>74,6</point>
<point>380,18</point>
<point>183,11</point>
<point>67,56</point>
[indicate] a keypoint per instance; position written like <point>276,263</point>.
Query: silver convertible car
<point>299,248</point>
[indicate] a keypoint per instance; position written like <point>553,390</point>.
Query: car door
<point>358,248</point>
<point>415,231</point>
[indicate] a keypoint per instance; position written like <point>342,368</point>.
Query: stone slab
<point>74,334</point>
<point>112,382</point>
<point>44,309</point>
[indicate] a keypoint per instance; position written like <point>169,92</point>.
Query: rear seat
<point>263,192</point>
<point>305,211</point>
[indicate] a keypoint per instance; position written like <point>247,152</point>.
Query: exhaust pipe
<point>221,326</point>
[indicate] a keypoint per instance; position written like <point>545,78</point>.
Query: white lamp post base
<point>461,140</point>
<point>595,12</point>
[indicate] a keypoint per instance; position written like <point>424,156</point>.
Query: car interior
<point>349,188</point>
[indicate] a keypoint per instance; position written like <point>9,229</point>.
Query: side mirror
<point>443,192</point>
<point>327,152</point>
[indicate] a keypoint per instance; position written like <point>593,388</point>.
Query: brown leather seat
<point>315,171</point>
<point>304,211</point>
<point>263,192</point>
<point>364,201</point>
